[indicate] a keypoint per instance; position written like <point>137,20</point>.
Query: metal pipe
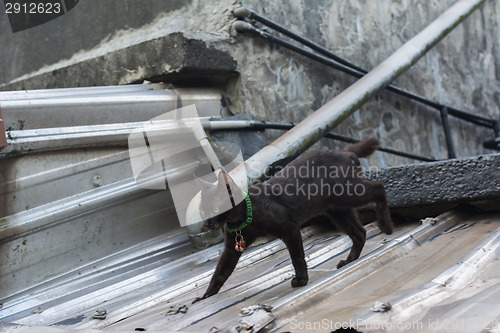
<point>201,136</point>
<point>242,26</point>
<point>354,70</point>
<point>330,115</point>
<point>447,132</point>
<point>331,59</point>
<point>339,137</point>
<point>493,143</point>
<point>53,139</point>
<point>243,12</point>
<point>107,135</point>
<point>311,129</point>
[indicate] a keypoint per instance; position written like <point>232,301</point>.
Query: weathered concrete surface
<point>95,29</point>
<point>461,70</point>
<point>272,83</point>
<point>175,58</point>
<point>454,181</point>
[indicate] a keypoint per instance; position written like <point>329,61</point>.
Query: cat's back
<point>317,164</point>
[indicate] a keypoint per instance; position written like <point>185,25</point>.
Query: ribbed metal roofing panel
<point>439,274</point>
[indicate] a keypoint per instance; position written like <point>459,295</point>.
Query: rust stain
<point>3,137</point>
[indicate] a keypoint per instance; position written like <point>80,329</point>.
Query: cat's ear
<point>226,183</point>
<point>205,186</point>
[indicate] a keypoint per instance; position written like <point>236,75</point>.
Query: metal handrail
<point>329,58</point>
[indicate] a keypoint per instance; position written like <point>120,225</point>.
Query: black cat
<point>328,183</point>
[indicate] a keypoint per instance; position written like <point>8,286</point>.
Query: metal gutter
<point>91,106</point>
<point>25,95</point>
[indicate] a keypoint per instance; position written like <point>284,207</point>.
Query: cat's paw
<point>296,282</point>
<point>342,263</point>
<point>197,299</point>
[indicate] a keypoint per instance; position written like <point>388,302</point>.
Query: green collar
<point>249,215</point>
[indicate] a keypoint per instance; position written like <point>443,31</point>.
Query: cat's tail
<point>364,148</point>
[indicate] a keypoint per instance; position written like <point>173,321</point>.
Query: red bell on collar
<point>239,246</point>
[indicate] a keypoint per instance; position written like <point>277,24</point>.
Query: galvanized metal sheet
<point>63,212</point>
<point>456,253</point>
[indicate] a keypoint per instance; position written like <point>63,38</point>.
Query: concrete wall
<point>120,42</point>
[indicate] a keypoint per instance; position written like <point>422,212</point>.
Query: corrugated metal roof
<point>438,275</point>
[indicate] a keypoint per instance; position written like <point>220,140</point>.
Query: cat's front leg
<point>225,267</point>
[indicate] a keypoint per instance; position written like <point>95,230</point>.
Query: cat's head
<point>218,201</point>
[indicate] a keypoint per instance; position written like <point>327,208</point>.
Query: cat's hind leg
<point>383,215</point>
<point>293,241</point>
<point>365,193</point>
<point>347,220</point>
